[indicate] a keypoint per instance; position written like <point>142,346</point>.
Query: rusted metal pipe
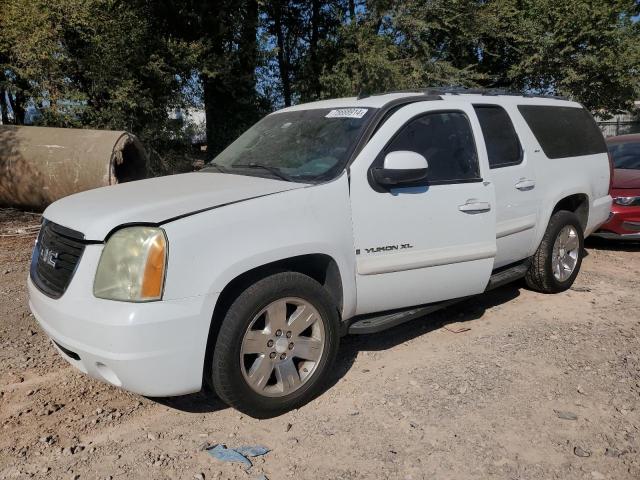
<point>39,165</point>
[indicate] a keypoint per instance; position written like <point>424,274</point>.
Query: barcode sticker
<point>347,113</point>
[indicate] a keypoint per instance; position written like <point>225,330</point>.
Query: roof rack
<point>470,91</point>
<point>459,90</point>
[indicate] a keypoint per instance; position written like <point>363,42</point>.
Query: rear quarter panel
<point>559,178</point>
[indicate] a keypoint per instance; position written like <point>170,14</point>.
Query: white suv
<point>335,217</point>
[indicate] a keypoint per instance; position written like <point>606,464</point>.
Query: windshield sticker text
<point>347,113</point>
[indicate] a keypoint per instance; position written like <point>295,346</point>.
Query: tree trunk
<point>230,104</point>
<point>352,11</point>
<point>283,63</point>
<point>4,104</point>
<point>212,107</point>
<point>4,100</point>
<point>19,107</point>
<point>313,49</point>
<point>248,49</point>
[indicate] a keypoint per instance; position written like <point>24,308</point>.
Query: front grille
<point>55,258</point>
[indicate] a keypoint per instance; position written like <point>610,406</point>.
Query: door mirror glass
<point>402,169</point>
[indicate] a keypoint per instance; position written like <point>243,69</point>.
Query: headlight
<point>132,265</point>
<point>626,201</point>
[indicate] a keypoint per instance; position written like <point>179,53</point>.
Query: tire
<point>545,273</point>
<point>266,319</point>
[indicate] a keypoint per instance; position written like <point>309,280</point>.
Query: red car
<point>624,221</point>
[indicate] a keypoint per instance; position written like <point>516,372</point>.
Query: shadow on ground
<point>612,245</point>
<point>467,310</point>
<point>201,402</point>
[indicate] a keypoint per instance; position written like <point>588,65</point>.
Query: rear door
<point>420,245</point>
<point>513,175</point>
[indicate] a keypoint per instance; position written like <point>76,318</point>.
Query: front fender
<point>208,250</point>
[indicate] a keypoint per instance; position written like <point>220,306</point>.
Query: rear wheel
<point>276,345</point>
<point>556,263</point>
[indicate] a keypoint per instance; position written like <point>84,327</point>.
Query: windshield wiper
<point>218,167</point>
<point>275,170</point>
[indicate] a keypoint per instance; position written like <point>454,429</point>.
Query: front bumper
<point>616,236</point>
<point>154,348</point>
<point>623,224</point>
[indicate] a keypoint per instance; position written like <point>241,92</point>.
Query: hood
<point>157,200</point>
<point>625,178</point>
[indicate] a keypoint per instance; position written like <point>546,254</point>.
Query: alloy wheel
<point>566,250</point>
<point>282,347</point>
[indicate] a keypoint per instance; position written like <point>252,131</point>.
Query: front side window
<point>299,145</point>
<point>500,137</point>
<point>446,140</point>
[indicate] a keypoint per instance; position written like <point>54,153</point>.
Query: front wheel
<point>276,345</point>
<point>556,263</point>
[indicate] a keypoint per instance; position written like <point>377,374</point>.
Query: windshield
<point>626,155</point>
<point>302,145</point>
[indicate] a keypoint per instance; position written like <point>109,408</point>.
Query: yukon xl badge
<point>386,248</point>
<point>49,257</point>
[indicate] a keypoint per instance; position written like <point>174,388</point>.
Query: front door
<point>420,245</point>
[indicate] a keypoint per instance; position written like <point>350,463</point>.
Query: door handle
<point>524,185</point>
<point>473,206</point>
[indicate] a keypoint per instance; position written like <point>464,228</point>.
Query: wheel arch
<point>577,203</point>
<point>321,267</point>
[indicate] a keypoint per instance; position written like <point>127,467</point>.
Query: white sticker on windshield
<point>347,113</point>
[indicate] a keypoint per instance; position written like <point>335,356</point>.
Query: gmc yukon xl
<point>340,216</point>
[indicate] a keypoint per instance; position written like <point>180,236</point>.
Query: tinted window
<point>446,141</point>
<point>503,146</point>
<point>564,131</point>
<point>625,155</point>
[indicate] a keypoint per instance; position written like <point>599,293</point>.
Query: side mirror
<point>402,169</point>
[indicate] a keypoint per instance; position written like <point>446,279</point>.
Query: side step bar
<point>507,275</point>
<point>378,322</point>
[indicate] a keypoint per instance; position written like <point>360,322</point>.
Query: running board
<point>507,276</point>
<point>379,322</point>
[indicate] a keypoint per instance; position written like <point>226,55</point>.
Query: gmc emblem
<point>49,257</point>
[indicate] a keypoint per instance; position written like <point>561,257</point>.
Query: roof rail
<point>459,90</point>
<point>541,95</point>
<point>456,90</point>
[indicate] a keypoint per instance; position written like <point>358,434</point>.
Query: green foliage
<point>411,46</point>
<point>367,64</point>
<point>586,49</point>
<point>36,61</point>
<point>126,64</point>
<point>92,63</point>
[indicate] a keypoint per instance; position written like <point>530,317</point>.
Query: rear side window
<point>503,145</point>
<point>446,140</point>
<point>564,131</point>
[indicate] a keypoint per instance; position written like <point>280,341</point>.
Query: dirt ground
<point>540,386</point>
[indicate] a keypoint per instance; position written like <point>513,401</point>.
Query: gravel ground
<point>539,386</point>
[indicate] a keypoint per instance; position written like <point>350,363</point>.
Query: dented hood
<point>157,200</point>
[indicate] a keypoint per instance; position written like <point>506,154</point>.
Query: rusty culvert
<point>39,165</point>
